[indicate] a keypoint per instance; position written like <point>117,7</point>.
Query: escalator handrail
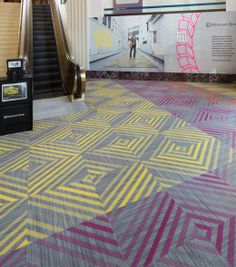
<point>25,39</point>
<point>73,75</point>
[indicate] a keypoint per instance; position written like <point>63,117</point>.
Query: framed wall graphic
<point>14,92</point>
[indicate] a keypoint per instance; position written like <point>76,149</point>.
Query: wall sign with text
<point>114,7</point>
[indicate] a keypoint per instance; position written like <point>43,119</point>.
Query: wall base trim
<point>184,77</point>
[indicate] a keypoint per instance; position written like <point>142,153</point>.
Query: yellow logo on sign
<point>102,38</point>
<point>9,91</point>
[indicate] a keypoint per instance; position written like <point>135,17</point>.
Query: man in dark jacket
<point>132,46</point>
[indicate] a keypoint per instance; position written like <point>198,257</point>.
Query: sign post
<point>16,113</point>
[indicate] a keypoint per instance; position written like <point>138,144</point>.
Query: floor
<point>146,176</point>
<point>121,62</point>
<point>57,106</point>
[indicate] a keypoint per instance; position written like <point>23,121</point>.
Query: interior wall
<point>75,15</point>
<point>75,20</point>
<point>231,5</point>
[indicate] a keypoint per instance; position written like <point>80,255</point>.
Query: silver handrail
<point>25,43</point>
<point>73,76</point>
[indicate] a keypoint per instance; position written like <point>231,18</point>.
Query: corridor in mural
<point>110,43</point>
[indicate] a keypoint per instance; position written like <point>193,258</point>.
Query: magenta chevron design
<point>175,227</point>
<point>213,113</point>
<point>188,101</point>
<point>15,258</point>
<point>94,237</point>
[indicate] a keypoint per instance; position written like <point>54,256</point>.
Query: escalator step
<point>43,31</point>
<point>46,61</point>
<point>47,84</point>
<point>38,77</point>
<point>46,68</point>
<point>44,43</point>
<point>43,55</point>
<point>45,49</point>
<point>42,23</point>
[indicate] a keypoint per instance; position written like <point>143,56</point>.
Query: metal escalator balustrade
<point>54,71</point>
<point>73,75</point>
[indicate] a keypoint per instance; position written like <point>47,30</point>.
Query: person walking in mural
<point>132,46</point>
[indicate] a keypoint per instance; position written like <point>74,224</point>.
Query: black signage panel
<point>15,70</point>
<point>14,63</point>
<point>16,106</point>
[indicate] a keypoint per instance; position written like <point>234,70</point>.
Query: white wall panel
<point>231,5</point>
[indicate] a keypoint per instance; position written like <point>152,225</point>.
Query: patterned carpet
<point>145,177</point>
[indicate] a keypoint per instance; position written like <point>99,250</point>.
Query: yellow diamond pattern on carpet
<point>70,170</point>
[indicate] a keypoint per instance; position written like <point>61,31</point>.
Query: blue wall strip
<point>165,6</point>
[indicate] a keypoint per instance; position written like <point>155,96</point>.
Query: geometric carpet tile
<point>46,131</point>
<point>186,150</point>
<point>151,121</point>
<point>114,91</point>
<point>130,184</point>
<point>122,144</point>
<point>210,227</point>
<point>12,189</point>
<point>102,84</point>
<point>13,227</point>
<point>126,103</point>
<point>92,243</point>
<point>14,170</point>
<point>157,177</point>
<point>97,170</point>
<point>17,258</point>
<point>11,143</point>
<point>62,207</point>
<point>16,162</point>
<point>99,118</point>
<point>226,89</point>
<point>228,172</point>
<point>160,231</point>
<point>210,114</point>
<point>146,121</point>
<point>176,99</point>
<point>225,132</point>
<point>51,167</point>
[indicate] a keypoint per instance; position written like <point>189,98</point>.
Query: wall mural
<point>188,42</point>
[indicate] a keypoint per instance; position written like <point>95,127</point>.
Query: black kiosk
<point>16,114</point>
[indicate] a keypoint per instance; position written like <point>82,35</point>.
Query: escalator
<point>47,76</point>
<point>54,72</point>
<point>38,62</point>
<point>38,38</point>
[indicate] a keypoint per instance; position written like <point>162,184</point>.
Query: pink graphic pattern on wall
<point>185,49</point>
